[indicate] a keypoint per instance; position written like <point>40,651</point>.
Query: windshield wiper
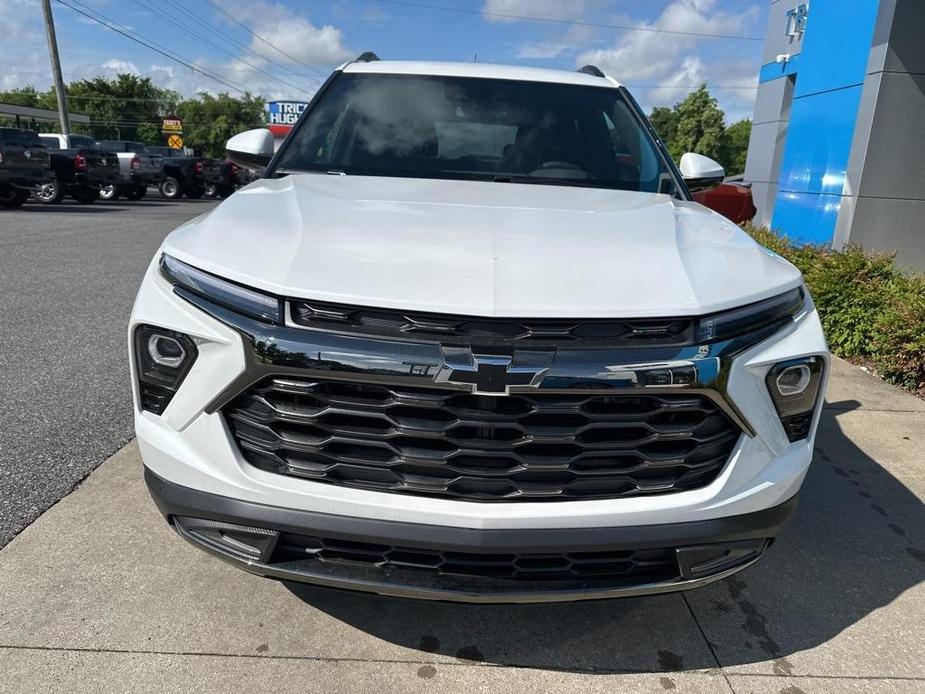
<point>592,183</point>
<point>323,172</point>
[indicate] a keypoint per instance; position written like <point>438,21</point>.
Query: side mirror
<point>700,172</point>
<point>252,149</point>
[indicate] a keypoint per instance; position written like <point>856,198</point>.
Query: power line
<point>261,38</point>
<point>240,44</point>
<point>199,37</point>
<point>109,24</point>
<point>689,86</point>
<point>551,20</point>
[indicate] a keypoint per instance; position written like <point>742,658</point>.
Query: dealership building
<point>837,151</point>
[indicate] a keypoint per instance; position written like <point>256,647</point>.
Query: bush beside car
<point>873,312</point>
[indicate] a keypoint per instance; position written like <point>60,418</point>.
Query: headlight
<point>263,307</point>
<point>738,321</point>
<point>163,358</point>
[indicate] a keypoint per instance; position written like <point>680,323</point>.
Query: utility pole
<point>56,68</point>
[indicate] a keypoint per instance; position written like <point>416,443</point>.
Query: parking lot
<point>68,275</point>
<point>97,594</point>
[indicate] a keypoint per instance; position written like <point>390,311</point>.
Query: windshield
<point>473,128</point>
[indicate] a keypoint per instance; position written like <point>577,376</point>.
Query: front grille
<point>637,566</point>
<point>490,332</point>
<point>446,443</point>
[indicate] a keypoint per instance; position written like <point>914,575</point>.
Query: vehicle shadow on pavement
<point>856,543</point>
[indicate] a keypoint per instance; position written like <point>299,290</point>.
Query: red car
<point>732,199</point>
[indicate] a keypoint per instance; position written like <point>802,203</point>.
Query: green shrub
<point>871,311</point>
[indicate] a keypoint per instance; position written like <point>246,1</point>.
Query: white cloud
<point>23,54</point>
<point>544,9</point>
<point>292,33</point>
<point>576,38</point>
<point>664,66</point>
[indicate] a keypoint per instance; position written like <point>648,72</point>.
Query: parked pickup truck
<point>183,175</point>
<point>138,169</point>
<point>78,168</point>
<point>23,165</point>
<point>222,177</point>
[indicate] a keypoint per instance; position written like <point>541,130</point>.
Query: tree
<point>127,107</point>
<point>701,126</point>
<point>697,124</point>
<point>665,122</point>
<point>208,121</point>
<point>737,136</point>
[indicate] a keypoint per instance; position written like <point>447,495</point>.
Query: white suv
<point>468,338</point>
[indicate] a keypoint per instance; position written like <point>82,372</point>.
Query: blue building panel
<point>836,46</point>
<point>773,71</point>
<point>819,141</point>
<point>806,217</point>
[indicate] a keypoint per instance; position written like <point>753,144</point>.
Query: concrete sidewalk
<point>99,595</point>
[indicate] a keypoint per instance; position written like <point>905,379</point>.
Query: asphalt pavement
<point>68,277</point>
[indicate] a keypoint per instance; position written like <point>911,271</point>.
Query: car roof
<point>483,70</point>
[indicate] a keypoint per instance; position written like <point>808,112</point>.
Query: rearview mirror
<point>700,172</point>
<point>252,149</point>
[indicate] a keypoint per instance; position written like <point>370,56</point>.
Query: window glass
<point>475,128</point>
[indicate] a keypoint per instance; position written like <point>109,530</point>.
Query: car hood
<point>481,248</point>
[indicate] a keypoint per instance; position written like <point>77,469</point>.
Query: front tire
<point>13,197</point>
<point>109,193</point>
<point>50,193</point>
<point>170,188</point>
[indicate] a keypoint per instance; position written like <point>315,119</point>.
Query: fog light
<point>163,358</point>
<point>793,380</point>
<point>166,351</point>
<point>794,387</point>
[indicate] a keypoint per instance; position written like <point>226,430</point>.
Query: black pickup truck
<point>183,175</point>
<point>24,165</point>
<point>79,169</point>
<point>222,177</point>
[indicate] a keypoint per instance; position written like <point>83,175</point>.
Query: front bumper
<point>247,535</point>
<point>190,446</point>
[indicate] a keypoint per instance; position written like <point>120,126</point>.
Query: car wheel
<point>86,196</point>
<point>13,197</point>
<point>194,193</point>
<point>109,193</point>
<point>170,188</point>
<point>136,192</point>
<point>211,191</point>
<point>50,193</point>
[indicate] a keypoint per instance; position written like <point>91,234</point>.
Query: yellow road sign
<point>175,141</point>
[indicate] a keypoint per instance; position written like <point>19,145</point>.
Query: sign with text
<point>284,112</point>
<point>172,124</point>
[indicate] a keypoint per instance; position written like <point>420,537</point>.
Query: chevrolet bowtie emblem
<point>491,374</point>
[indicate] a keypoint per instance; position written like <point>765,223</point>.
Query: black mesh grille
<point>638,565</point>
<point>490,331</point>
<point>449,444</point>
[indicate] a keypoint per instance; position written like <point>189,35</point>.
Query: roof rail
<point>367,57</point>
<point>592,70</point>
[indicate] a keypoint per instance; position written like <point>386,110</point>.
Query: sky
<point>283,49</point>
